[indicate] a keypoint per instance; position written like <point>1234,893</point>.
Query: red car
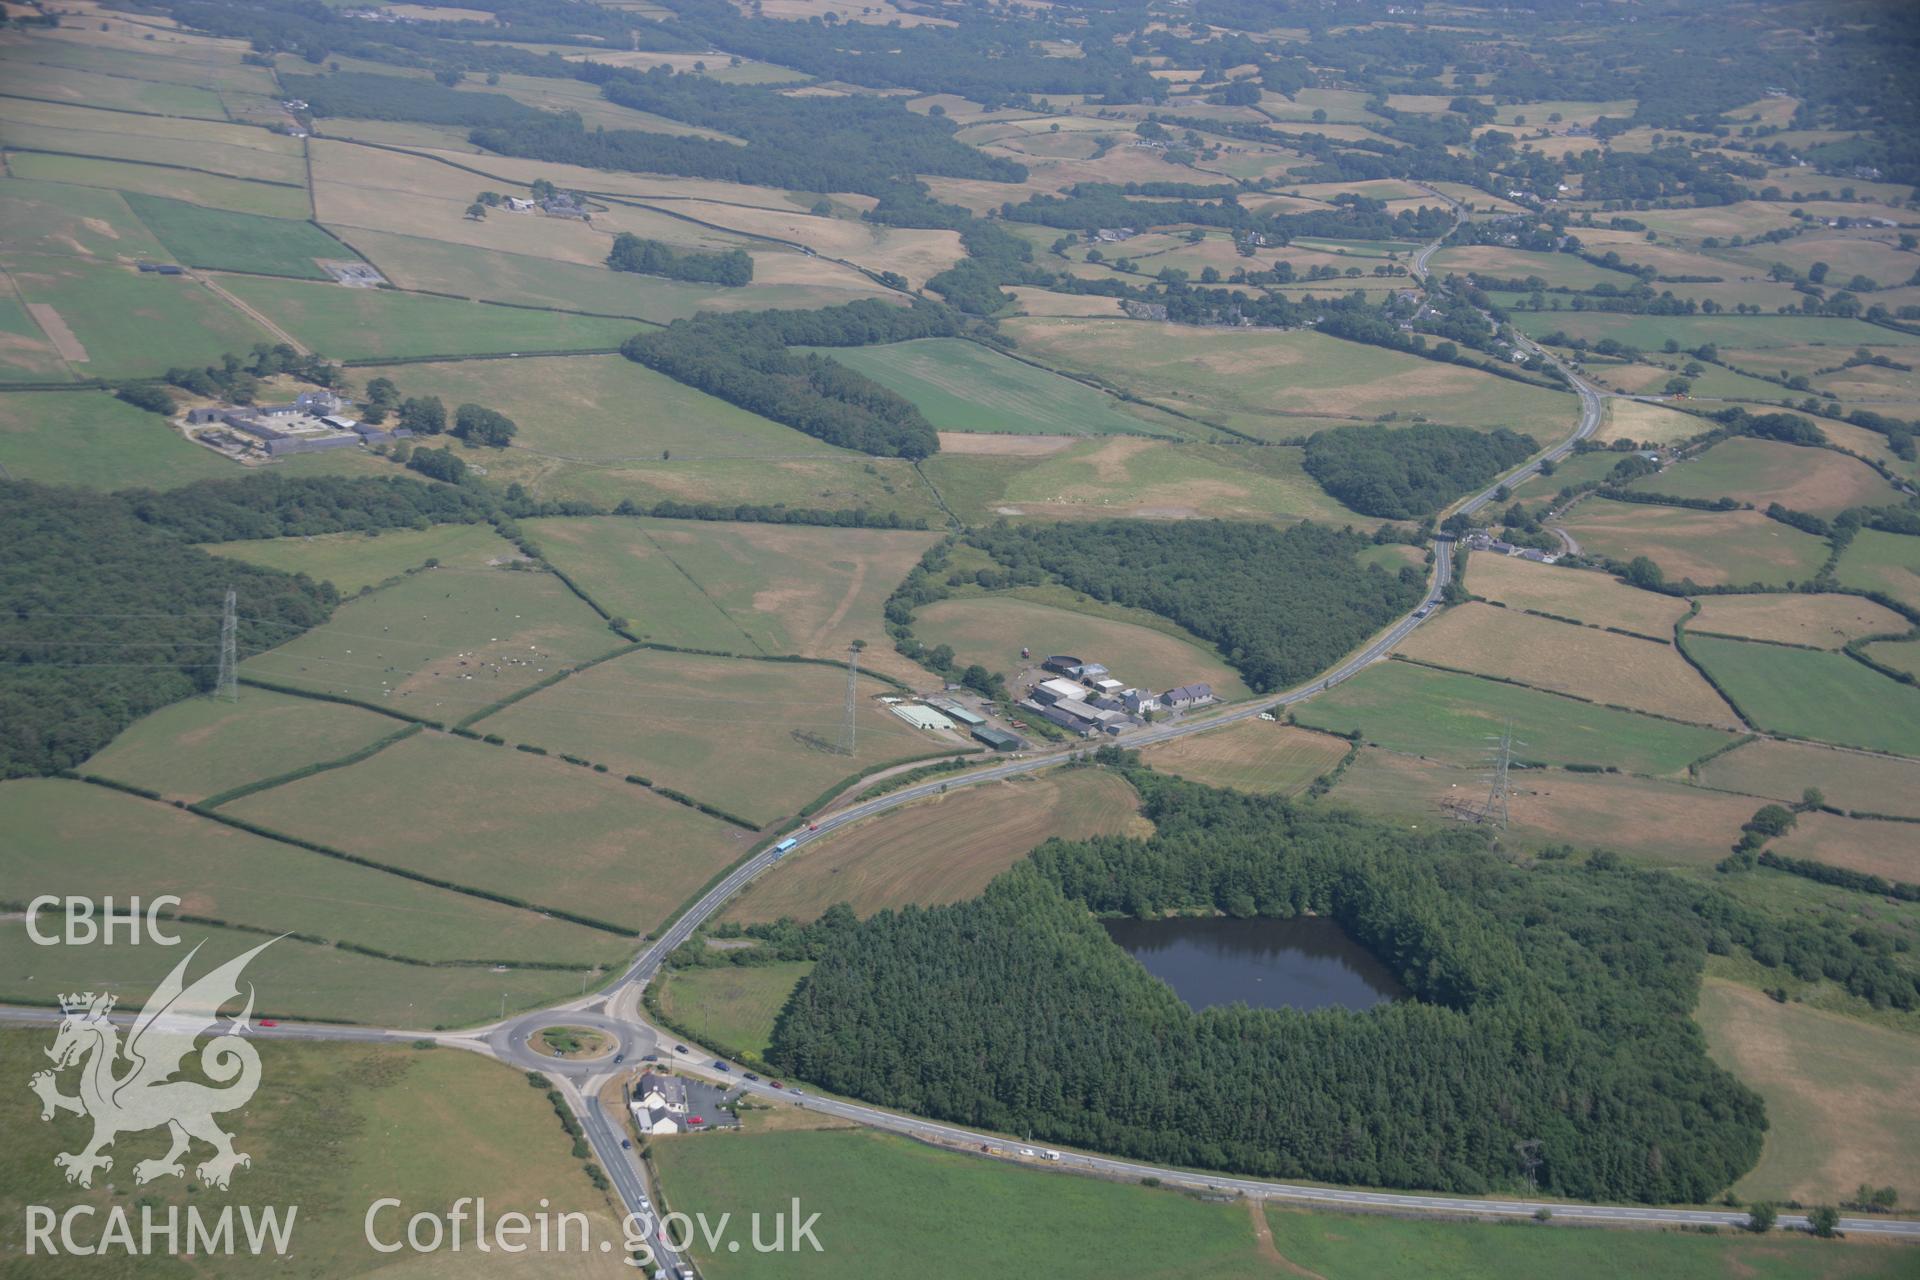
<point>693,1120</point>
<point>776,1084</point>
<point>268,1022</point>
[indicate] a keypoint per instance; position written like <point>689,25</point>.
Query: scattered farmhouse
<point>312,423</point>
<point>1084,698</point>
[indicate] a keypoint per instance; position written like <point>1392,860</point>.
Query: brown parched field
<point>1710,547</point>
<point>1826,622</point>
<point>1665,823</point>
<point>1255,755</point>
<point>1858,781</point>
<point>943,849</point>
<point>1596,598</point>
<point>1890,850</point>
<point>1597,665</point>
<point>1841,1104</point>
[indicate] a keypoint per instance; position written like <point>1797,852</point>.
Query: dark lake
<point>1307,962</point>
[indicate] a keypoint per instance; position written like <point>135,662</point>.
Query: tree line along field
<point>941,849</point>
<point>392,1120</point>
<point>1825,696</point>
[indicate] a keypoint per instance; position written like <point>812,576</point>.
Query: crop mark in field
<point>1263,1243</point>
<point>69,347</point>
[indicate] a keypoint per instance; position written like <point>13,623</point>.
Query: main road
<point>616,1009</point>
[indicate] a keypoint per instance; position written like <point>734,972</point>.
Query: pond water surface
<point>1307,962</point>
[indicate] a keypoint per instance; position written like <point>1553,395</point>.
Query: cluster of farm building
<point>1083,697</point>
<point>312,423</point>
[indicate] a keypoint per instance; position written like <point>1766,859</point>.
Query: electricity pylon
<point>227,683</point>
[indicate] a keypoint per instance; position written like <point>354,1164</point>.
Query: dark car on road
<point>720,1066</point>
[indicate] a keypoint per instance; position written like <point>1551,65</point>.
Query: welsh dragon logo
<point>145,1093</point>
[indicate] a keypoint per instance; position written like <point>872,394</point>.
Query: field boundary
<point>1680,643</point>
<point>1556,693</point>
<point>367,752</point>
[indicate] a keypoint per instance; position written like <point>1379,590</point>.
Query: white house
<point>659,1104</point>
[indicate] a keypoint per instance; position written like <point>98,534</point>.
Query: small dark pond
<point>1307,962</point>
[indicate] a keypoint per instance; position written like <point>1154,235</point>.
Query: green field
<point>1360,1248</point>
<point>443,644</point>
<point>1130,476</point>
<point>133,324</point>
<point>415,262</point>
<point>29,80</point>
<point>1449,717</point>
<point>897,1207</point>
<point>604,410</point>
<point>269,199</point>
<point>757,739</point>
<point>1261,381</point>
<point>71,838</point>
<point>738,588</point>
<point>92,439</point>
<point>1557,269</point>
<point>964,386</point>
<point>732,1005</point>
<point>991,631</point>
<point>25,353</point>
<point>506,822</point>
<point>355,561</point>
<point>62,219</point>
<point>1818,481</point>
<point>333,1128</point>
<point>1648,333</point>
<point>1901,655</point>
<point>1888,562</point>
<point>197,748</point>
<point>226,241</point>
<point>366,324</point>
<point>890,1207</point>
<point>1710,547</point>
<point>1810,694</point>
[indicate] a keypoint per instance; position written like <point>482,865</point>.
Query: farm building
<point>1138,701</point>
<point>956,712</point>
<point>998,739</point>
<point>1063,663</point>
<point>1058,691</point>
<point>922,717</point>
